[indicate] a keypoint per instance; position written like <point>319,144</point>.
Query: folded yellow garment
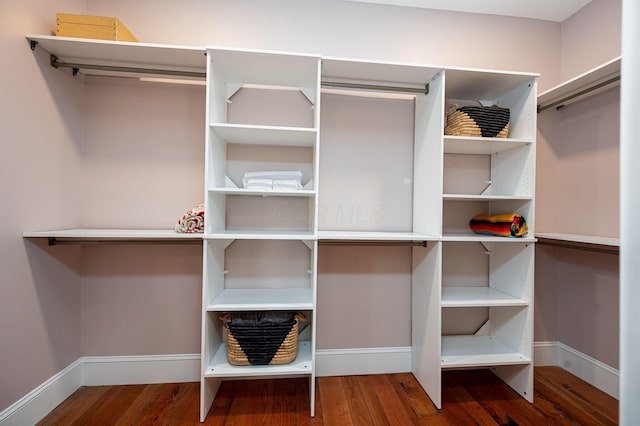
<point>502,225</point>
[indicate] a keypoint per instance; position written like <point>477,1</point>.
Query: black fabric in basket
<point>491,120</point>
<point>260,334</point>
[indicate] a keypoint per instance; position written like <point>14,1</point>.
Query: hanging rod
<point>341,85</point>
<point>579,246</point>
<point>560,103</point>
<point>372,243</point>
<point>76,67</point>
<point>57,63</point>
<point>53,241</point>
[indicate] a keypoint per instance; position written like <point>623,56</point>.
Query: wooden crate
<point>86,26</point>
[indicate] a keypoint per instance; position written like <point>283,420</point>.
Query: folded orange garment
<point>502,225</point>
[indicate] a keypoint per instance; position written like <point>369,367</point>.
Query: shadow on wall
<point>55,272</point>
<point>68,93</point>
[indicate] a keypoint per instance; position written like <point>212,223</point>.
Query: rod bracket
<point>33,44</point>
<point>54,61</point>
<point>52,241</point>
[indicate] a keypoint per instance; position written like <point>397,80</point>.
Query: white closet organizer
<point>472,295</point>
<point>260,245</point>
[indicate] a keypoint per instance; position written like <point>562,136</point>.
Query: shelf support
<point>309,93</point>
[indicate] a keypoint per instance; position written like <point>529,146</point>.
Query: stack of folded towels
<point>278,181</point>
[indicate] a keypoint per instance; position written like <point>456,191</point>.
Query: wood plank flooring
<point>469,397</point>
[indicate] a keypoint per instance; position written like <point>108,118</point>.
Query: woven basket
<point>262,338</point>
<point>488,122</point>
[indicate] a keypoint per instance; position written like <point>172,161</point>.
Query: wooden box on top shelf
<point>97,27</point>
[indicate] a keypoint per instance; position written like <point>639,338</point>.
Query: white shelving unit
<point>255,224</point>
<point>486,294</point>
<point>260,247</point>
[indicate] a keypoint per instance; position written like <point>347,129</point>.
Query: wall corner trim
<point>32,407</point>
<point>589,369</point>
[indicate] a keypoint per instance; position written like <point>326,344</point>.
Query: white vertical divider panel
<point>208,388</point>
<point>519,377</point>
<point>426,324</point>
<point>512,171</point>
<point>212,285</point>
<point>427,219</point>
<point>314,315</point>
<point>629,207</point>
<point>314,228</point>
<point>511,269</point>
<point>215,148</point>
<point>428,159</point>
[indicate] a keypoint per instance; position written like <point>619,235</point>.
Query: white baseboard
<point>581,365</point>
<point>545,354</point>
<point>129,370</point>
<point>40,401</point>
<point>340,362</point>
<point>116,370</point>
<point>100,371</point>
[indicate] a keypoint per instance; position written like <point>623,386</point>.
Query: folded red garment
<point>502,225</point>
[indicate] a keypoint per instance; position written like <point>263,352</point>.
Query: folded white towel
<point>272,175</point>
<point>258,184</point>
<point>286,184</point>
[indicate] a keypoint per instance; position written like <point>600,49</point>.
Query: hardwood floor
<point>469,397</point>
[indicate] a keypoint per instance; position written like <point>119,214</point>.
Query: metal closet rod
<point>340,85</point>
<point>53,241</point>
<point>371,243</point>
<point>560,103</point>
<point>57,63</point>
<point>76,67</point>
<point>578,246</point>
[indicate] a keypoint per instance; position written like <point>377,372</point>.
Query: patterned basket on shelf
<point>262,338</point>
<point>488,122</point>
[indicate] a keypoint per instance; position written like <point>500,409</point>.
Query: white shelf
<point>265,67</point>
<point>374,236</point>
<point>479,145</point>
<point>595,76</point>
<point>478,84</point>
<point>478,351</point>
<point>470,197</point>
<point>486,238</point>
<point>575,238</point>
<point>266,135</point>
<point>123,54</point>
<point>265,193</point>
<point>81,234</point>
<point>220,367</point>
<point>263,299</point>
<point>458,297</point>
<point>381,73</point>
<point>261,235</point>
